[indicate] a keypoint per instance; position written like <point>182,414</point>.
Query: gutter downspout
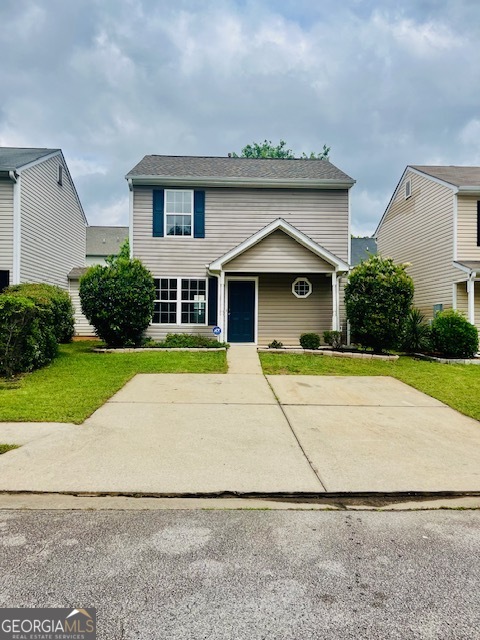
<point>471,296</point>
<point>130,216</point>
<point>17,226</point>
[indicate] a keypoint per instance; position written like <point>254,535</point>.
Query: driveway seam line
<point>315,472</point>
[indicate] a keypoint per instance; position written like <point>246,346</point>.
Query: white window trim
<point>301,280</point>
<point>179,301</point>
<point>165,214</point>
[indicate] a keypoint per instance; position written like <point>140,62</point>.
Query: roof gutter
<point>469,191</point>
<point>13,175</point>
<point>218,181</point>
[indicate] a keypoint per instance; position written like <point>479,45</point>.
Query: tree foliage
<point>378,297</point>
<point>118,298</point>
<point>267,149</point>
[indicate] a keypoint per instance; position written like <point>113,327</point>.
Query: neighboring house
<point>256,247</point>
<point>101,243</point>
<point>433,222</point>
<point>362,249</point>
<point>42,223</point>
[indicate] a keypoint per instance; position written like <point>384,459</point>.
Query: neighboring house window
<point>301,288</point>
<point>408,189</point>
<point>437,308</point>
<point>60,175</point>
<point>478,223</point>
<point>178,212</point>
<point>180,301</point>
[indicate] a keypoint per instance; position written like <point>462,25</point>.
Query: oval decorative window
<point>301,287</point>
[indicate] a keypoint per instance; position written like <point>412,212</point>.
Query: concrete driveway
<point>201,434</point>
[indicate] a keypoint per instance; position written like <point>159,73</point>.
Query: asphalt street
<point>249,574</point>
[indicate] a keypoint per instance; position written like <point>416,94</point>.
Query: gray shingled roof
<point>105,241</point>
<point>362,249</point>
<point>224,167</point>
<point>456,175</point>
<point>12,158</point>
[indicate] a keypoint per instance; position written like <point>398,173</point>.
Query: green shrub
<point>117,299</point>
<point>453,336</point>
<point>27,335</point>
<point>53,298</point>
<point>416,333</point>
<point>275,344</point>
<point>378,297</point>
<point>310,340</point>
<point>190,341</point>
<point>333,338</point>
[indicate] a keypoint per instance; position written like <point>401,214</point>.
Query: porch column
<point>335,305</point>
<point>221,305</point>
<point>471,297</point>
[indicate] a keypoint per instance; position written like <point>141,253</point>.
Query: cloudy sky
<point>383,83</point>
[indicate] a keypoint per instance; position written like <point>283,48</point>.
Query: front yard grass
<point>454,384</point>
<point>79,381</point>
<point>7,447</point>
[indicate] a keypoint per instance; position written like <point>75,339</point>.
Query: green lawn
<point>79,381</point>
<point>453,384</point>
<point>7,447</point>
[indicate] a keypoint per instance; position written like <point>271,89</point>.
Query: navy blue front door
<point>241,311</point>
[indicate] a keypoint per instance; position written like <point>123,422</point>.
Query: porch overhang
<point>338,265</point>
<point>471,268</point>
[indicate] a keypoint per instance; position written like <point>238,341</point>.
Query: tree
<point>118,298</point>
<point>268,150</point>
<point>378,297</point>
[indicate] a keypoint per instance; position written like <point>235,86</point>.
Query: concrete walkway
<point>172,434</point>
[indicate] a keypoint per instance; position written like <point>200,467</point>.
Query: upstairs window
<point>478,223</point>
<point>178,212</point>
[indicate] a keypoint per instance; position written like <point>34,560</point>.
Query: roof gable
<point>105,241</point>
<point>282,225</point>
<point>457,176</point>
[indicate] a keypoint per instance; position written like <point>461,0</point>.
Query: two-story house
<point>433,223</point>
<point>42,223</point>
<point>256,247</point>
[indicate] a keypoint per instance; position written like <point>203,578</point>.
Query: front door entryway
<point>241,311</point>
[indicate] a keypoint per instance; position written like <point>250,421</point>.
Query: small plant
<point>310,340</point>
<point>453,336</point>
<point>416,333</point>
<point>275,344</point>
<point>333,338</point>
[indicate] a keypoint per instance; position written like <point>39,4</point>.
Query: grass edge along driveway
<point>454,384</point>
<point>79,381</point>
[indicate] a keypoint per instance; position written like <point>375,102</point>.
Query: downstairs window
<point>180,301</point>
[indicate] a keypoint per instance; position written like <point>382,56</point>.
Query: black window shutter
<point>158,206</point>
<point>212,301</point>
<point>5,280</point>
<point>199,214</point>
<point>478,223</point>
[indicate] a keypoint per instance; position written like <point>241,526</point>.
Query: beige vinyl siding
<point>282,316</point>
<point>53,232</point>
<point>467,248</point>
<point>419,230</point>
<point>233,215</point>
<point>278,253</point>
<point>6,226</point>
<point>82,326</point>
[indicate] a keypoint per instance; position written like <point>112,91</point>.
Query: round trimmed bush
<point>453,336</point>
<point>310,340</point>
<point>118,299</point>
<point>378,297</point>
